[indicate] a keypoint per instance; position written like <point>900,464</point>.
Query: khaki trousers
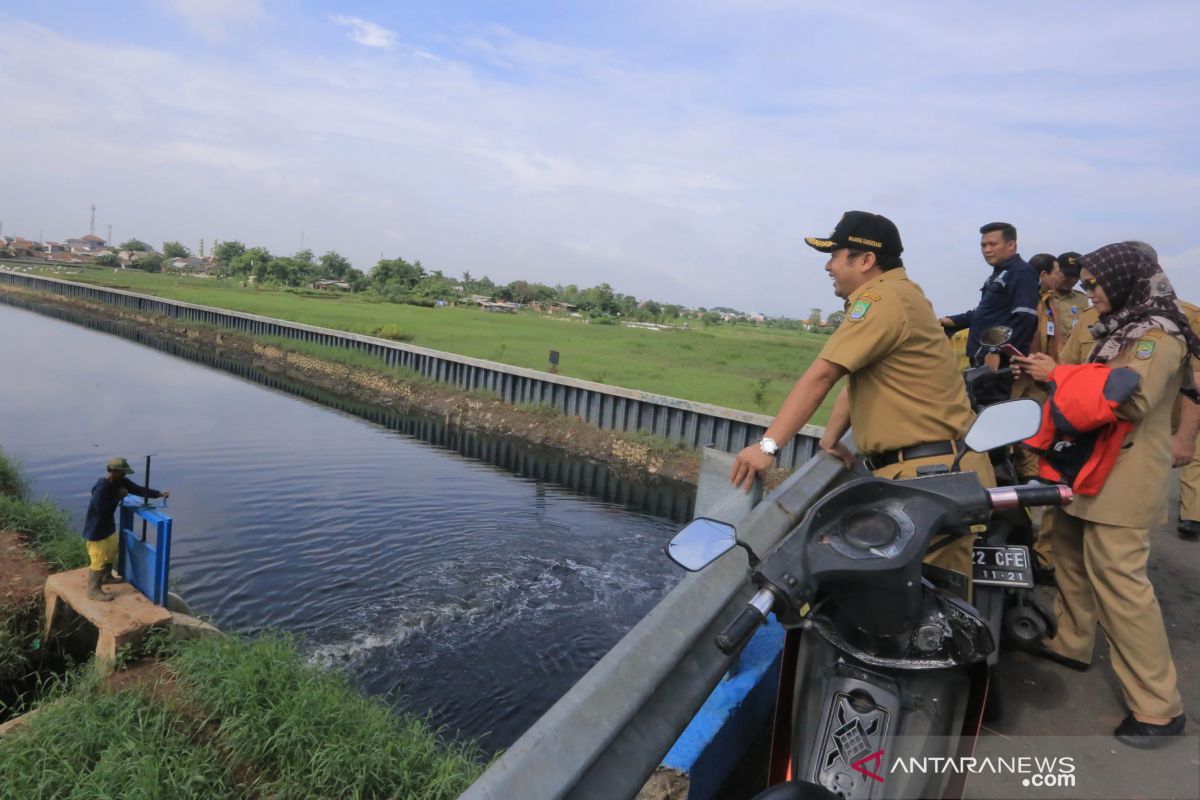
<point>1189,489</point>
<point>1101,575</point>
<point>1043,539</point>
<point>1025,461</point>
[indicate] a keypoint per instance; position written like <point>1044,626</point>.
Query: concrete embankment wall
<point>607,407</point>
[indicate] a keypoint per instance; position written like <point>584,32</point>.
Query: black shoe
<point>1189,529</point>
<point>1050,655</point>
<point>1145,735</point>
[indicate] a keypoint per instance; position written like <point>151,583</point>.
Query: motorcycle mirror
<point>1004,423</point>
<point>701,542</point>
<point>995,336</point>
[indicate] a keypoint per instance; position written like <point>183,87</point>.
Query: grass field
<point>740,366</point>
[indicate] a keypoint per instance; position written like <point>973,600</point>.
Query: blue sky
<point>675,152</point>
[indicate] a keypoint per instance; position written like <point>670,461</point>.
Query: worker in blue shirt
<point>99,528</point>
<point>1009,296</point>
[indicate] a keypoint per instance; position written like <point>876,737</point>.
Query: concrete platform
<point>124,620</point>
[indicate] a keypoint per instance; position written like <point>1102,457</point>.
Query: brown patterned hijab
<point>1142,299</point>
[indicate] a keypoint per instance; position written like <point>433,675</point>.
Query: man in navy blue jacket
<point>1009,296</point>
<point>99,528</point>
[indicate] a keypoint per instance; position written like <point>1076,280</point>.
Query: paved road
<point>1045,699</point>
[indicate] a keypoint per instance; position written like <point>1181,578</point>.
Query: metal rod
<point>146,497</point>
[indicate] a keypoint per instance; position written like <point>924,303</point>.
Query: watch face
<point>768,446</point>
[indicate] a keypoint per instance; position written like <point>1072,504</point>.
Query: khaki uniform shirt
<point>1193,318</point>
<point>1135,494</point>
<point>1058,315</point>
<point>1078,346</point>
<point>904,388</point>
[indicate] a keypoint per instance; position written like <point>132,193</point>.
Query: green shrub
<point>308,733</point>
<point>12,481</point>
<point>393,332</point>
<point>89,744</point>
<point>48,530</point>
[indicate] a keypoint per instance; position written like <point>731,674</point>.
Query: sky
<point>677,151</point>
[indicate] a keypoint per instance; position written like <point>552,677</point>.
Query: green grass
<point>738,366</point>
<point>46,527</point>
<point>246,719</point>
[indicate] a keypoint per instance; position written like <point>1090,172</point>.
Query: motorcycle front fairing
<point>884,653</point>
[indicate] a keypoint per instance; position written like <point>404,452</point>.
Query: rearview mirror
<point>1004,423</point>
<point>701,542</point>
<point>995,336</point>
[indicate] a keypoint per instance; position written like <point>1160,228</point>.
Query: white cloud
<point>367,33</point>
<point>213,18</point>
<point>687,182</point>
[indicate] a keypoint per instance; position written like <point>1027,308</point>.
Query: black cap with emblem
<point>862,230</point>
<point>1068,262</point>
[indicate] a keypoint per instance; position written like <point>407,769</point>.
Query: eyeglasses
<point>1089,284</point>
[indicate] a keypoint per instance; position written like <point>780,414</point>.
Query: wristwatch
<point>768,446</point>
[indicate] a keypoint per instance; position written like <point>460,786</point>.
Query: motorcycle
<point>889,662</point>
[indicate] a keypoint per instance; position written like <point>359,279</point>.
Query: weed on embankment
<point>229,718</point>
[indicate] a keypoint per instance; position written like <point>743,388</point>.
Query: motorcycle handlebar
<point>738,632</point>
<point>1005,497</point>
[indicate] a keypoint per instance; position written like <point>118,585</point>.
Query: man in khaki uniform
<point>1189,475</point>
<point>1102,543</point>
<point>905,396</point>
<point>1059,310</point>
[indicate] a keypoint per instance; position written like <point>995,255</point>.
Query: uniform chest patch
<point>859,310</point>
<point>1144,348</point>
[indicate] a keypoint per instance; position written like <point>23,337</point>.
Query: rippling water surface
<point>447,584</point>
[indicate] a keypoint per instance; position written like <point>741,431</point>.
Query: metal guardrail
<point>607,407</point>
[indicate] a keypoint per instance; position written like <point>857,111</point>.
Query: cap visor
<point>824,245</point>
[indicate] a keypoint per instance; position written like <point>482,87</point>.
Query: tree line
<point>397,280</point>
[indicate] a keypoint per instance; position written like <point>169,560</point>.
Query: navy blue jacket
<point>106,496</point>
<point>1008,297</point>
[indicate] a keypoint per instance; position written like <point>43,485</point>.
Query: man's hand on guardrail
<point>838,451</point>
<point>749,464</point>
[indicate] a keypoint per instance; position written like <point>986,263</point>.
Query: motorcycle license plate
<point>1002,566</point>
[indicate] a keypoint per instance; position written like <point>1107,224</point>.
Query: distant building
<point>85,244</point>
<point>330,284</point>
<point>189,264</point>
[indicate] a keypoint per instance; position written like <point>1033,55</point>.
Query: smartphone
<point>1010,351</point>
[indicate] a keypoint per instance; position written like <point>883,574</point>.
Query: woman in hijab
<point>1102,543</point>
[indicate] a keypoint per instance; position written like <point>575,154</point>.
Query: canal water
<point>466,578</point>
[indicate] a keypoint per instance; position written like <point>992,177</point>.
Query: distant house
<point>189,264</point>
<point>85,244</point>
<point>54,247</point>
<point>330,284</point>
<point>500,307</point>
<point>23,248</point>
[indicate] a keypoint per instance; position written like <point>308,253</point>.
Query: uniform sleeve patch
<point>859,310</point>
<point>870,297</point>
<point>1144,349</point>
<point>1152,334</point>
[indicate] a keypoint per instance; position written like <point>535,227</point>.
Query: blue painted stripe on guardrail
<point>726,725</point>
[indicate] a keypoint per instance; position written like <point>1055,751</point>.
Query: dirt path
<point>24,574</point>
